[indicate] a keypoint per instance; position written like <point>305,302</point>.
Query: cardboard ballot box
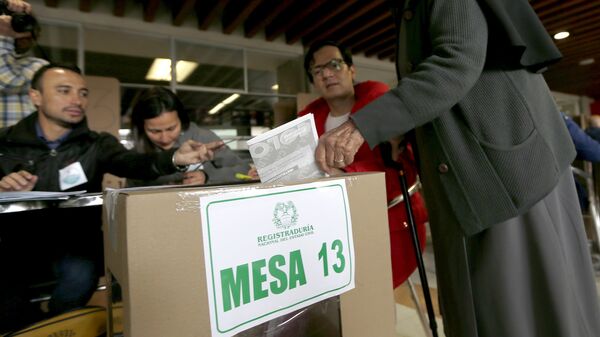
<point>155,260</point>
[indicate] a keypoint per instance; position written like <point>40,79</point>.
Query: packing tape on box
<point>189,200</point>
<point>110,201</point>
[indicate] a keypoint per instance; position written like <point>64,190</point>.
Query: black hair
<point>308,58</point>
<point>151,103</point>
<point>36,80</point>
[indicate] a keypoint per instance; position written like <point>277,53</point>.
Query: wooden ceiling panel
<point>347,24</point>
<point>296,14</point>
<point>371,36</point>
<point>236,13</point>
<point>319,21</point>
<point>208,11</point>
<point>85,5</point>
<point>352,32</point>
<point>182,11</point>
<point>264,15</point>
<point>367,27</point>
<point>150,9</point>
<point>119,8</point>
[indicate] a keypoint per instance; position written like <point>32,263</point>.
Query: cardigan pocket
<point>496,111</point>
<point>518,169</point>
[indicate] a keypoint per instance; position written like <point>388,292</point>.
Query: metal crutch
<point>413,293</point>
<point>415,240</point>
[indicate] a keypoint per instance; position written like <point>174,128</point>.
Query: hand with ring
<point>337,147</point>
<point>339,162</point>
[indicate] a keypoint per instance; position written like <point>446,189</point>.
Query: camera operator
<point>18,34</point>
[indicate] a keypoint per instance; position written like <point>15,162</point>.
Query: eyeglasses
<point>334,65</point>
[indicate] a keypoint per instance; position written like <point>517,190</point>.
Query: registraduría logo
<point>285,215</point>
<point>285,219</point>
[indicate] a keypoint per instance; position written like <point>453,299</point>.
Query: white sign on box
<point>269,252</point>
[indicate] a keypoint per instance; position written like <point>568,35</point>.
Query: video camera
<point>21,22</point>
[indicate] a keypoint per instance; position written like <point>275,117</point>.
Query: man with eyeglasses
<point>329,67</point>
<point>510,249</point>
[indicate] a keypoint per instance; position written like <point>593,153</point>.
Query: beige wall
<point>104,114</point>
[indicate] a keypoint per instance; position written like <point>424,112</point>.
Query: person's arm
<point>593,132</point>
<point>131,164</point>
<point>587,148</point>
<point>14,72</point>
<point>458,36</point>
<point>225,164</point>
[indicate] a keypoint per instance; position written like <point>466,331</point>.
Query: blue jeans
<point>76,282</point>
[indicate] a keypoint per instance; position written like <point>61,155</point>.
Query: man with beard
<point>54,150</point>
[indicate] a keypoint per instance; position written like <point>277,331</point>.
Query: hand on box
<point>18,181</point>
<point>335,172</point>
<point>194,178</point>
<point>337,147</point>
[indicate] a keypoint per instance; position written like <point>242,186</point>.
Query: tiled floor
<point>408,323</point>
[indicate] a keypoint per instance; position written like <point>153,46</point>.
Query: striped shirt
<point>15,75</point>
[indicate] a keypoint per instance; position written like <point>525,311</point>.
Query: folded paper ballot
<point>287,153</point>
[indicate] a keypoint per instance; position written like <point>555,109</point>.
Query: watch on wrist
<point>180,168</point>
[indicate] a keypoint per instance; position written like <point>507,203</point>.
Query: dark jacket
<point>519,34</point>
<point>489,129</point>
<point>98,153</point>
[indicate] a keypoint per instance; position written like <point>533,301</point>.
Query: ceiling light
<point>275,87</point>
<point>160,70</point>
<point>561,35</point>
<point>231,98</point>
<point>216,109</point>
<point>587,62</point>
<point>221,105</point>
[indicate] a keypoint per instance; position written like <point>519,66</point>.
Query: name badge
<point>71,176</point>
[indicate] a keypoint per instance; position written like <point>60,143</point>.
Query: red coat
<point>366,160</point>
